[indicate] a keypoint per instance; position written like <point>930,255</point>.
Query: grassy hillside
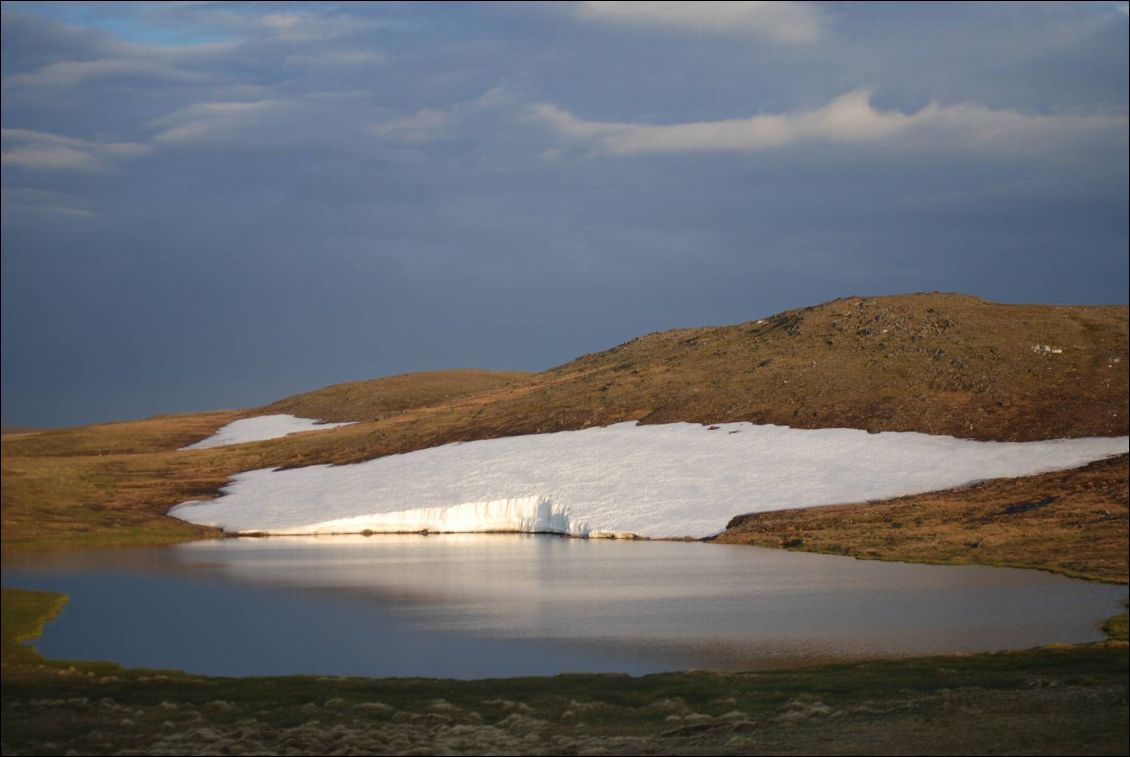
<point>383,397</point>
<point>354,401</point>
<point>937,363</point>
<point>1074,522</point>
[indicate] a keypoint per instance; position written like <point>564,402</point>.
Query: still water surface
<point>474,606</point>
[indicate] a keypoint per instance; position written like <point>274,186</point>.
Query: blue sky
<point>213,205</point>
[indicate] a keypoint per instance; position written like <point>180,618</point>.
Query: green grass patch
<point>1118,626</point>
<point>24,615</point>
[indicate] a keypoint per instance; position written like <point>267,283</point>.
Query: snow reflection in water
<point>470,606</point>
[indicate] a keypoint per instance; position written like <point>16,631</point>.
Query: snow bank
<point>259,428</point>
<point>679,479</point>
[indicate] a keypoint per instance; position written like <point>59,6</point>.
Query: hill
<point>380,398</point>
<point>934,363</point>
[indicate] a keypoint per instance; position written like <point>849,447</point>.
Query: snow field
<point>259,428</point>
<point>678,479</point>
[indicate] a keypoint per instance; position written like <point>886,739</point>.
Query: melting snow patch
<point>679,479</point>
<point>259,428</point>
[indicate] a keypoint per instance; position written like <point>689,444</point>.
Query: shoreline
<point>1070,699</point>
<point>1064,522</point>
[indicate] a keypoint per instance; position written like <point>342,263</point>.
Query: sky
<point>215,205</point>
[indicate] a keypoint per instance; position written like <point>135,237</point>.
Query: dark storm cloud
<point>213,206</point>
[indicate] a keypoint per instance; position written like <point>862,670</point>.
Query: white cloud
<point>70,73</point>
<point>335,59</point>
<point>42,201</point>
<point>849,119</point>
<point>415,128</point>
<point>205,122</point>
<point>786,22</point>
<point>313,120</point>
<point>309,27</point>
<point>43,151</point>
<point>118,59</point>
<point>427,124</point>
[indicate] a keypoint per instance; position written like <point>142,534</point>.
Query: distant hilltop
<point>936,363</point>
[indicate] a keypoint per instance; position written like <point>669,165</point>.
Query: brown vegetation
<point>935,363</point>
<point>383,397</point>
<point>1074,522</point>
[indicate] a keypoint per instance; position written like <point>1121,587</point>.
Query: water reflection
<point>487,605</point>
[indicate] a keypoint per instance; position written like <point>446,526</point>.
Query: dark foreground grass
<point>1070,700</point>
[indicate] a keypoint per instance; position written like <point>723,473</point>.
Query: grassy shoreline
<point>1068,699</point>
<point>1074,522</point>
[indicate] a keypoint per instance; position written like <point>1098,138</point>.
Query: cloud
<point>58,56</point>
<point>415,128</point>
<point>205,122</point>
<point>428,124</point>
<point>791,23</point>
<point>43,151</point>
<point>42,201</point>
<point>850,119</point>
<point>310,27</point>
<point>335,59</point>
<point>71,73</point>
<point>316,120</point>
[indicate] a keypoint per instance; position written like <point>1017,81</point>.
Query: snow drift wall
<point>679,479</point>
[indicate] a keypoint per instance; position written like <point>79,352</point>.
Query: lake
<point>496,605</point>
